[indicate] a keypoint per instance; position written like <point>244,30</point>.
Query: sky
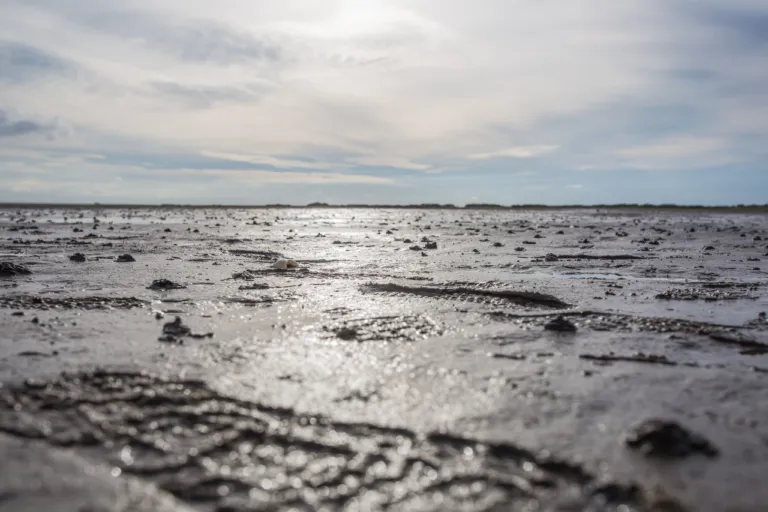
<point>384,102</point>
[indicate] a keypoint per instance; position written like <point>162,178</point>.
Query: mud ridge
<point>606,321</point>
<point>600,257</point>
<point>530,299</point>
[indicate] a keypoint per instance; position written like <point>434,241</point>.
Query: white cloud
<point>677,153</point>
<point>675,147</point>
<point>518,152</point>
<point>392,161</point>
<point>258,177</point>
<point>279,163</point>
<point>395,79</point>
<point>289,163</point>
<point>68,178</point>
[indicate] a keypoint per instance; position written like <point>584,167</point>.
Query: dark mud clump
<point>8,269</point>
<point>255,286</point>
<point>125,258</point>
<point>385,328</point>
<point>257,255</point>
<point>226,454</point>
<point>176,328</point>
<point>85,303</point>
<point>640,357</point>
<point>529,299</point>
<point>668,439</point>
<point>78,257</point>
<point>245,275</point>
<point>560,324</point>
<point>175,331</point>
<point>165,284</point>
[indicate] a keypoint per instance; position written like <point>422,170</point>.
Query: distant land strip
<point>739,208</point>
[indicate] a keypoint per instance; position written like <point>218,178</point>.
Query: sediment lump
<point>165,284</point>
<point>668,439</point>
<point>560,324</point>
<point>175,331</point>
<point>8,269</point>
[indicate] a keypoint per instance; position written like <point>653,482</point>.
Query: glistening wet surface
<point>395,359</point>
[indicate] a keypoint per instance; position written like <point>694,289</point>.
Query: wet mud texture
<point>403,360</point>
<point>234,455</point>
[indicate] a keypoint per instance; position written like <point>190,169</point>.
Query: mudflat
<point>371,359</point>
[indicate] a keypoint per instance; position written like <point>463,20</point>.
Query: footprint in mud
<point>235,455</point>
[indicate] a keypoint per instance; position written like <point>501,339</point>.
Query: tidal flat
<point>241,359</point>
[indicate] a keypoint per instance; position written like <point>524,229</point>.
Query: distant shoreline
<point>494,207</point>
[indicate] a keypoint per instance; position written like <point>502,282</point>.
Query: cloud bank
<point>511,101</point>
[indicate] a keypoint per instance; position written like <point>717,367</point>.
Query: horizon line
<point>434,206</point>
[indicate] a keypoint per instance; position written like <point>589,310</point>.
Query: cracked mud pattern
<point>234,455</point>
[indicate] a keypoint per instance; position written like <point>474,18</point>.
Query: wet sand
<point>413,360</point>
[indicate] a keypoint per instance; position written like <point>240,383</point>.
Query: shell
<point>285,264</point>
